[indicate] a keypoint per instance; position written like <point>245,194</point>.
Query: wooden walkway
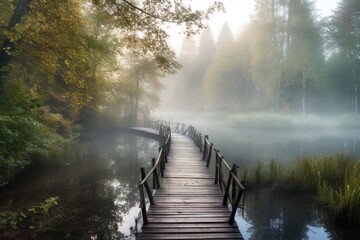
<point>189,204</point>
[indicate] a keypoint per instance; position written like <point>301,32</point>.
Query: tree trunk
<point>356,108</point>
<point>7,47</point>
<point>303,91</point>
<point>136,110</point>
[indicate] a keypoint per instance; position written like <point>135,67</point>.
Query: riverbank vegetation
<point>31,221</point>
<point>333,181</point>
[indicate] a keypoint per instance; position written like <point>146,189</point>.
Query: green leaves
<point>36,218</point>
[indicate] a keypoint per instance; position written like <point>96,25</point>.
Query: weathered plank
<point>189,204</point>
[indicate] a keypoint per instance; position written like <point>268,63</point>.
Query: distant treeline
<point>286,59</point>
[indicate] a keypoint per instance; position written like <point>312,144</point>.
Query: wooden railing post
<point>233,192</point>
<point>156,177</point>
<point>209,155</point>
<point>163,158</point>
<point>165,154</point>
<point>220,173</point>
<point>151,198</point>
<point>235,206</point>
<point>143,205</point>
<point>205,152</point>
<point>217,160</point>
<point>161,162</point>
<point>199,142</point>
<point>226,195</point>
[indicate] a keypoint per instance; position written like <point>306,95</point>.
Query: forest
<point>72,67</point>
<point>286,60</point>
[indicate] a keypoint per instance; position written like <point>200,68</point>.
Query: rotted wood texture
<point>189,204</point>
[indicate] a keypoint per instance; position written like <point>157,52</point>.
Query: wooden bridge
<point>186,200</point>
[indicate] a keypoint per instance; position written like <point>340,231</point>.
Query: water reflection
<point>98,196</point>
<point>269,215</point>
<point>248,146</point>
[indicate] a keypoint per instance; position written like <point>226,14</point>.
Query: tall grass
<point>334,180</point>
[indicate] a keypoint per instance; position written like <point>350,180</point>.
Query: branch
<point>147,13</point>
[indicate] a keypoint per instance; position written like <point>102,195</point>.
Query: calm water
<point>269,214</point>
<point>98,196</point>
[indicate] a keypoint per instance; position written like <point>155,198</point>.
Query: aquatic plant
<point>342,200</point>
<point>334,180</point>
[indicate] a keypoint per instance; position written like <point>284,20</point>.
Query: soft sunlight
<point>237,15</point>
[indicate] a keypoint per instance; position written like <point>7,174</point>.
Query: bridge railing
<point>233,189</point>
<point>181,128</point>
<point>157,171</point>
<point>233,183</point>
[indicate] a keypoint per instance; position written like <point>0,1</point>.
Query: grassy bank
<point>334,180</point>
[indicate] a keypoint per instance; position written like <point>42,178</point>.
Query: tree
<point>347,35</point>
<point>243,51</point>
<point>286,51</point>
<point>206,49</point>
<point>182,82</point>
<point>266,53</point>
<point>304,61</point>
<point>7,44</point>
<point>223,79</point>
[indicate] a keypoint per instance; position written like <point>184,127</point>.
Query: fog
<point>253,137</point>
<point>284,87</point>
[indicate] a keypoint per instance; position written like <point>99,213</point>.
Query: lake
<point>269,214</point>
<point>98,195</point>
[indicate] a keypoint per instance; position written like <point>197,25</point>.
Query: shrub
<point>37,218</point>
<point>23,139</point>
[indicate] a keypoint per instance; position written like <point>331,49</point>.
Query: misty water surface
<point>269,214</point>
<point>98,196</point>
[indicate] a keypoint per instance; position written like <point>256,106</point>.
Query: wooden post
<point>226,195</point>
<point>161,163</point>
<point>163,157</point>
<point>143,205</point>
<point>234,207</point>
<point>205,152</point>
<point>199,143</point>
<point>148,190</point>
<point>154,180</point>
<point>217,159</point>
<point>220,173</point>
<point>233,192</point>
<point>209,155</point>
<point>165,153</point>
<point>156,177</point>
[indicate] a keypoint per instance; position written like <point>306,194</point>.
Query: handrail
<point>159,163</point>
<point>226,165</point>
<point>154,167</point>
<point>207,148</point>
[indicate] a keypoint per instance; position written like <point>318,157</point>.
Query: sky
<point>237,15</point>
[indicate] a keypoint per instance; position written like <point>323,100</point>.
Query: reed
<point>342,200</point>
<point>334,179</point>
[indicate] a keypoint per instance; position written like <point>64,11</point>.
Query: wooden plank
<point>190,230</point>
<point>190,225</point>
<point>169,236</point>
